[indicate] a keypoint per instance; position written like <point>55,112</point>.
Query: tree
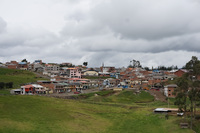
<point>196,70</point>
<point>147,68</point>
<point>181,94</point>
<point>167,68</point>
<point>194,96</point>
<point>136,64</point>
<point>24,60</point>
<point>176,67</point>
<point>2,84</point>
<point>189,80</point>
<point>85,63</point>
<point>180,101</point>
<point>9,85</point>
<point>193,66</point>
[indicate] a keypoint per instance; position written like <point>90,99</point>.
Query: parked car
<point>180,114</point>
<point>76,92</point>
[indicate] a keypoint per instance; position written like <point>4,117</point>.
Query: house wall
<point>166,91</point>
<point>179,73</point>
<point>12,66</point>
<point>52,68</point>
<point>60,89</point>
<point>91,73</point>
<point>23,66</point>
<point>14,62</point>
<point>74,73</point>
<point>170,92</point>
<point>104,75</point>
<point>106,69</point>
<point>135,82</point>
<point>47,85</point>
<point>26,90</point>
<point>152,82</point>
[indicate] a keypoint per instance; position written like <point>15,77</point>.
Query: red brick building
<point>23,65</point>
<point>169,90</point>
<point>47,84</point>
<point>12,65</point>
<point>180,72</point>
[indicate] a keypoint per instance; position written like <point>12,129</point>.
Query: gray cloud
<point>137,26</point>
<point>149,19</point>
<point>114,32</point>
<point>3,25</point>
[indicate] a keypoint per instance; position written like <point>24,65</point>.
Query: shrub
<point>2,84</point>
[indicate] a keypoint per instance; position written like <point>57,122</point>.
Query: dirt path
<point>158,95</point>
<point>41,75</point>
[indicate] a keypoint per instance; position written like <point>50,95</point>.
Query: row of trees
<point>6,85</point>
<point>188,92</point>
<point>166,68</point>
<point>136,63</point>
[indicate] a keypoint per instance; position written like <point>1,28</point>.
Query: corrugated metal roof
<point>22,63</point>
<point>171,85</point>
<point>37,86</point>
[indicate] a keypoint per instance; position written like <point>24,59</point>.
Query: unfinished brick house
<point>169,90</point>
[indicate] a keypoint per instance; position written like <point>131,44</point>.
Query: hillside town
<point>165,85</point>
<point>66,78</point>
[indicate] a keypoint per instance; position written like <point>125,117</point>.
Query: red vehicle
<point>76,92</point>
<point>155,89</point>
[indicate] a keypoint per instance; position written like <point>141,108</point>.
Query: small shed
<point>16,91</point>
<point>165,110</point>
<point>161,110</point>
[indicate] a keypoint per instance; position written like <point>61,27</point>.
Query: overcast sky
<point>155,32</point>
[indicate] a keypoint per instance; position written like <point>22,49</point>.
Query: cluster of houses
<point>66,78</point>
<point>49,87</point>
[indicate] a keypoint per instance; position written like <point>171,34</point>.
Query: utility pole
<point>168,100</point>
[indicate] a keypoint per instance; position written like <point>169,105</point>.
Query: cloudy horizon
<point>112,32</point>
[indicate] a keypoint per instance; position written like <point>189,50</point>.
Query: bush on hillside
<point>2,84</point>
<point>6,85</point>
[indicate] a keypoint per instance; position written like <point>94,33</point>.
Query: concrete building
<point>74,72</point>
<point>52,67</point>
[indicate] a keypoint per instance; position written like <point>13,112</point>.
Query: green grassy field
<point>124,97</point>
<point>112,114</point>
<point>18,77</point>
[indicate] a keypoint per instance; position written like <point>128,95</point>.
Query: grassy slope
<point>17,77</point>
<point>43,114</point>
<point>125,97</point>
